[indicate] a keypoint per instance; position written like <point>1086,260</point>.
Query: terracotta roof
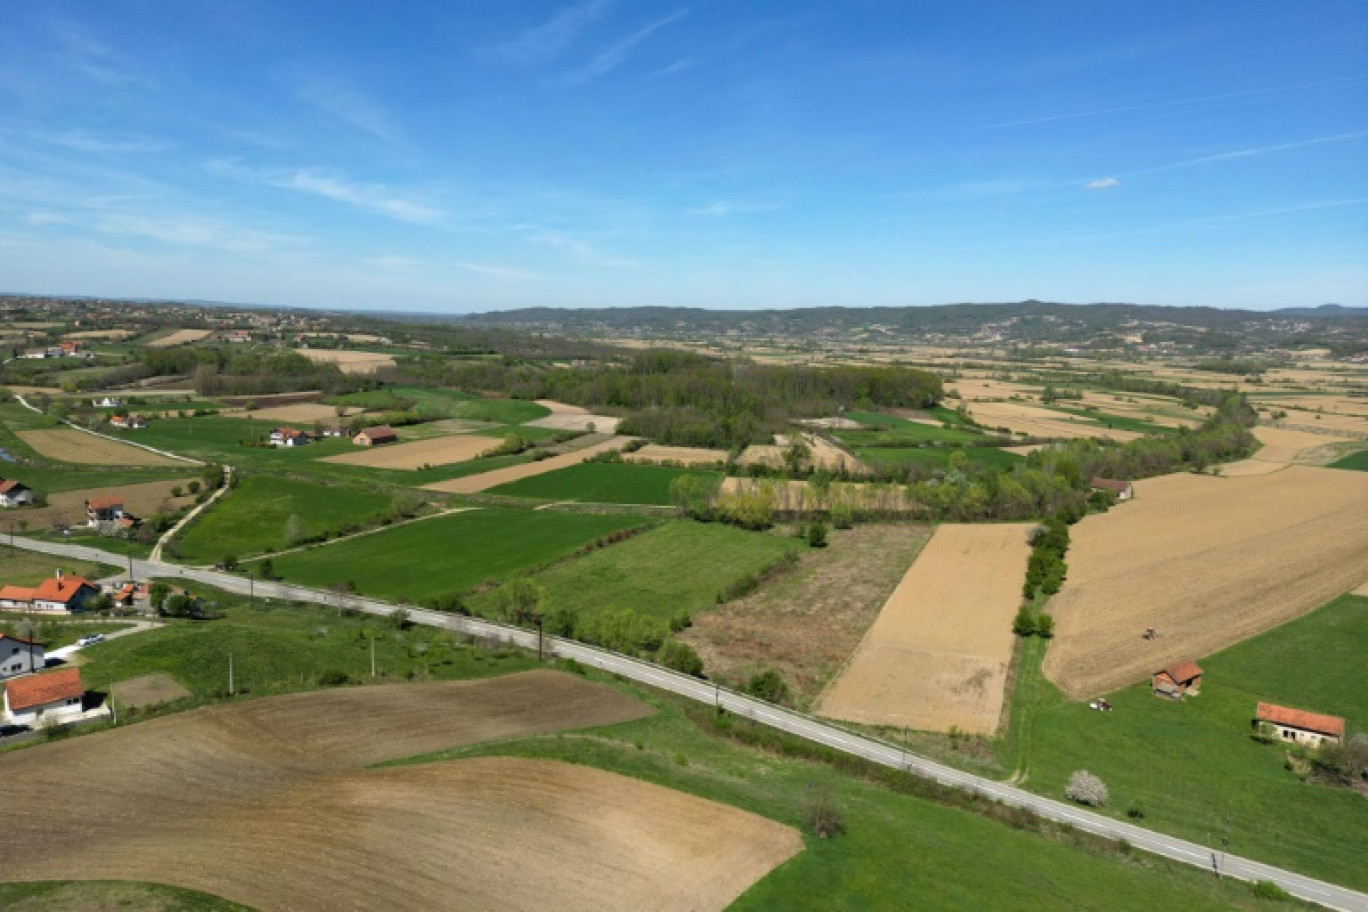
<point>1111,484</point>
<point>61,590</point>
<point>16,593</point>
<point>1184,671</point>
<point>1300,718</point>
<point>24,693</point>
<point>104,503</point>
<point>289,432</point>
<point>7,486</point>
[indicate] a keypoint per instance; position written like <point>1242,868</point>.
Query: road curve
<point>794,723</point>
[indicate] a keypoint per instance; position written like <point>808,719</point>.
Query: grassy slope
<point>1190,766</point>
<point>678,567</point>
<point>899,852</point>
<point>29,568</point>
<point>1357,461</point>
<point>437,557</point>
<point>600,482</point>
<point>894,431</point>
<point>83,896</point>
<point>48,477</point>
<point>253,517</point>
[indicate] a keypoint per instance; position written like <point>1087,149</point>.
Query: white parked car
<point>90,639</point>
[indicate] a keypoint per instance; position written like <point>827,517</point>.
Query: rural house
<point>128,422</point>
<point>45,698</point>
<point>19,656</point>
<point>1178,680</point>
<point>1300,726</point>
<point>289,437</point>
<point>104,509</point>
<point>14,494</point>
<point>58,595</point>
<point>1123,490</point>
<point>106,402</point>
<point>374,436</point>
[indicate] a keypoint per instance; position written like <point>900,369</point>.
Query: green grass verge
<point>1192,769</point>
<point>55,633</point>
<point>603,482</point>
<point>29,568</point>
<point>87,895</point>
<point>937,457</point>
<point>677,568</point>
<point>888,430</point>
<point>899,851</point>
<point>258,514</point>
<point>451,554</point>
<point>1357,461</point>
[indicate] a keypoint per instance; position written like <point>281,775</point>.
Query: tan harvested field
<point>826,455</point>
<point>762,454</point>
<point>114,334</point>
<point>1362,590</point>
<point>364,338</point>
<point>1206,561</point>
<point>180,337</point>
<point>148,690</point>
<point>1041,422</point>
<point>1354,425</point>
<point>654,452</point>
<point>433,451</point>
<point>603,424</point>
<point>938,654</point>
<point>68,507</point>
<point>349,362</point>
<point>304,413</point>
<point>808,621</point>
<point>561,408</point>
<point>473,484</point>
<point>66,445</point>
<point>1281,448</point>
<point>269,803</point>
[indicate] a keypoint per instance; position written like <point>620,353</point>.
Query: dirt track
<point>1208,562</point>
<point>268,803</point>
<point>937,655</point>
<point>472,484</point>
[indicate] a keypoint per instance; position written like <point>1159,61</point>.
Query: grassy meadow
<point>450,554</point>
<point>891,431</point>
<point>938,457</point>
<point>603,482</point>
<point>29,568</point>
<point>1192,769</point>
<point>1357,461</point>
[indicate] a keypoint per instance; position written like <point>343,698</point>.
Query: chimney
<point>59,572</point>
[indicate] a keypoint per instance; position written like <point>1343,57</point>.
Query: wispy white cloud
<point>503,273</point>
<point>377,198</point>
<point>679,66</point>
<point>550,39</point>
<point>335,97</point>
<point>1252,152</point>
<point>82,141</point>
<point>613,56</point>
<point>1103,183</point>
<point>175,229</point>
<point>723,208</point>
<point>90,56</point>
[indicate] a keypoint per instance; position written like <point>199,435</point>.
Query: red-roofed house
<point>14,494</point>
<point>1301,726</point>
<point>104,509</point>
<point>1178,680</point>
<point>373,436</point>
<point>58,595</point>
<point>44,698</point>
<point>289,437</point>
<point>1123,490</point>
<point>19,656</point>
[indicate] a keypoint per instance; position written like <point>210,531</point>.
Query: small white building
<point>14,494</point>
<point>289,437</point>
<point>1300,726</point>
<point>106,402</point>
<point>19,656</point>
<point>45,699</point>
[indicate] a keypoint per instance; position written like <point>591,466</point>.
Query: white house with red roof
<point>45,699</point>
<point>19,656</point>
<point>1299,725</point>
<point>58,595</point>
<point>289,437</point>
<point>14,494</point>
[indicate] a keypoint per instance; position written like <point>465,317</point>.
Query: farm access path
<point>794,723</point>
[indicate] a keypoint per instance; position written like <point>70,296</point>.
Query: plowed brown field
<point>86,449</point>
<point>268,803</point>
<point>1208,562</point>
<point>141,500</point>
<point>937,656</point>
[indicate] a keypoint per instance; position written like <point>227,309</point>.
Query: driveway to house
<point>809,728</point>
<point>64,652</point>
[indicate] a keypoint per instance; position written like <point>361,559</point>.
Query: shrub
<point>334,678</point>
<point>769,686</point>
<point>1045,625</point>
<point>1024,624</point>
<point>822,817</point>
<point>817,535</point>
<point>681,657</point>
<point>1085,788</point>
<point>1267,889</point>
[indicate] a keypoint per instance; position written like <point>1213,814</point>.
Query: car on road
<point>90,639</point>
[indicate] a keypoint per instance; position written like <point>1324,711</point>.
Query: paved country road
<point>794,723</point>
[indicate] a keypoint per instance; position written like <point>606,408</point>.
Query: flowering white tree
<point>1085,788</point>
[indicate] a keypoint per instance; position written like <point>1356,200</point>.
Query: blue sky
<point>455,156</point>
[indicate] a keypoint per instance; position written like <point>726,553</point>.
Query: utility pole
<point>230,674</point>
<point>539,638</point>
<point>372,639</point>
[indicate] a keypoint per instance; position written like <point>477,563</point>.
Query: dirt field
<point>762,454</point>
<point>303,413</point>
<point>603,424</point>
<point>473,484</point>
<point>113,334</point>
<point>937,656</point>
<point>832,458</point>
<point>66,445</point>
<point>655,452</point>
<point>269,803</point>
<point>1208,562</point>
<point>180,337</point>
<point>433,451</point>
<point>349,362</point>
<point>1362,590</point>
<point>1041,422</point>
<point>806,623</point>
<point>1281,448</point>
<point>149,690</point>
<point>561,408</point>
<point>69,506</point>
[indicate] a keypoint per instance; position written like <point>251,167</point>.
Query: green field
<point>29,568</point>
<point>1357,461</point>
<point>1115,422</point>
<point>88,895</point>
<point>439,557</point>
<point>677,568</point>
<point>938,457</point>
<point>278,649</point>
<point>1192,766</point>
<point>888,430</point>
<point>256,515</point>
<point>446,403</point>
<point>899,850</point>
<point>603,482</point>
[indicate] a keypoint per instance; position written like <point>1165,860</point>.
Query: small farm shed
<point>44,698</point>
<point>1178,680</point>
<point>1301,726</point>
<point>374,436</point>
<point>1123,490</point>
<point>19,656</point>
